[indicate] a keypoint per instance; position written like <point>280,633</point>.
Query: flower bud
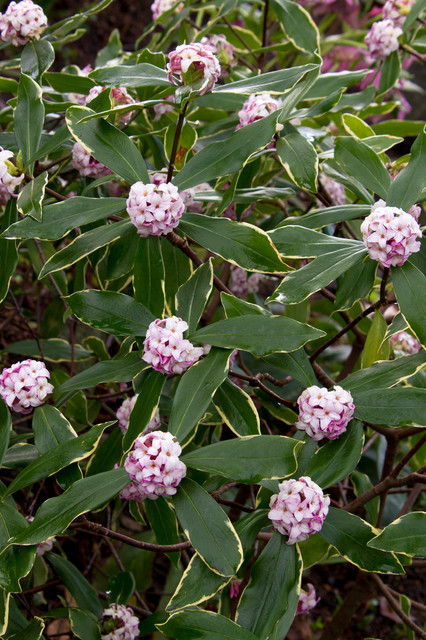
<point>403,343</point>
<point>222,49</point>
<point>324,414</point>
<point>397,10</point>
<point>166,350</point>
<point>382,39</point>
<point>197,66</point>
<point>257,107</point>
<point>154,210</point>
<point>25,385</point>
<point>307,600</point>
<point>21,22</point>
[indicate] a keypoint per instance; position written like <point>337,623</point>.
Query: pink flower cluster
<point>154,467</point>
<point>334,190</point>
<point>323,413</point>
<point>187,195</point>
<point>405,343</point>
<point>25,385</point>
<point>8,181</point>
<point>21,22</point>
<point>241,285</point>
<point>299,509</point>
<point>119,623</point>
<point>166,350</point>
<point>123,416</point>
<point>390,234</point>
<point>382,39</point>
<point>154,210</point>
<point>196,65</point>
<point>307,600</point>
<point>222,49</point>
<point>160,6</point>
<point>257,107</point>
<point>397,10</point>
<point>86,164</point>
<point>119,97</point>
<point>162,108</point>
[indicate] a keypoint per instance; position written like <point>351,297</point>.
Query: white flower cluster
<point>21,22</point>
<point>25,385</point>
<point>390,234</point>
<point>166,350</point>
<point>119,623</point>
<point>160,6</point>
<point>154,210</point>
<point>397,10</point>
<point>8,181</point>
<point>382,39</point>
<point>241,285</point>
<point>257,107</point>
<point>123,416</point>
<point>86,164</point>
<point>154,467</point>
<point>196,65</point>
<point>307,600</point>
<point>324,414</point>
<point>187,195</point>
<point>334,190</point>
<point>222,49</point>
<point>404,343</point>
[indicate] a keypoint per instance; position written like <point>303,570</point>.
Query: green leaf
<point>247,459</point>
<point>195,391</point>
<point>30,198</point>
<point>198,583</point>
<point>295,364</point>
<point>415,11</point>
<point>227,156</point>
<point>56,514</point>
<point>237,409</point>
<point>108,145</point>
<point>374,348</point>
<point>110,311</point>
<point>83,624</point>
<point>355,284</point>
<point>302,242</point>
<point>313,550</point>
<point>187,139</point>
<point>208,528</point>
<point>320,218</point>
<point>121,587</point>
<point>410,289</point>
<point>390,72</point>
<point>149,276</point>
<point>328,83</point>
<point>107,454</point>
<point>392,407</point>
<point>299,285</point>
<point>36,58</point>
<point>362,483</point>
<point>162,518</point>
<point>335,460</point>
<point>235,307</point>
<point>203,625</point>
<point>408,186</point>
<point>260,335</point>
<point>85,244</point>
<point>273,588</point>
<point>350,535</point>
<point>135,76</point>
<point>8,250</point>
<point>356,127</point>
<point>50,428</point>
<point>361,162</point>
<point>65,82</point>
<point>4,610</point>
<point>300,160</point>
<point>273,82</point>
<point>385,374</point>
<point>238,242</point>
<point>28,117</point>
<point>145,407</point>
<point>32,631</point>
<point>61,217</point>
<point>80,589</point>
<point>404,535</point>
<point>192,296</point>
<point>5,428</point>
<point>178,268</point>
<point>298,25</point>
<point>53,349</point>
<point>15,564</point>
<point>248,526</point>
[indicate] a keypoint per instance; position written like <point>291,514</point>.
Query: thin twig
<point>255,382</point>
<point>176,142</point>
<point>395,606</point>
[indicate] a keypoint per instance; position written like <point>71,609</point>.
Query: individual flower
<point>119,96</point>
<point>155,210</point>
<point>21,22</point>
<point>160,6</point>
<point>119,623</point>
<point>299,509</point>
<point>166,350</point>
<point>324,414</point>
<point>222,49</point>
<point>241,285</point>
<point>86,164</point>
<point>397,10</point>
<point>10,178</point>
<point>390,234</point>
<point>404,343</point>
<point>154,467</point>
<point>334,190</point>
<point>382,39</point>
<point>257,107</point>
<point>123,416</point>
<point>307,600</point>
<point>196,65</point>
<point>25,385</point>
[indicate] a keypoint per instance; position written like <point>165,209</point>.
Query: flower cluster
<point>154,467</point>
<point>299,509</point>
<point>166,350</point>
<point>25,385</point>
<point>154,209</point>
<point>324,414</point>
<point>21,22</point>
<point>241,285</point>
<point>397,10</point>
<point>86,164</point>
<point>257,107</point>
<point>334,190</point>
<point>222,49</point>
<point>382,39</point>
<point>405,343</point>
<point>307,600</point>
<point>119,97</point>
<point>187,195</point>
<point>8,178</point>
<point>123,416</point>
<point>160,6</point>
<point>196,65</point>
<point>119,623</point>
<point>80,98</point>
<point>390,234</point>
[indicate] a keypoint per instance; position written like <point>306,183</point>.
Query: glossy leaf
<point>162,518</point>
<point>83,624</point>
<point>302,242</point>
<point>149,276</point>
<point>192,296</point>
<point>298,25</point>
<point>50,428</point>
<point>382,375</point>
<point>80,589</point>
<point>300,160</point>
<point>319,218</point>
<point>15,564</point>
<point>121,587</point>
<point>203,625</point>
<point>391,407</point>
<point>198,583</point>
<point>5,427</point>
<point>32,631</point>
<point>360,161</point>
<point>295,364</point>
<point>53,349</point>
<point>273,82</point>
<point>36,58</point>
<point>374,348</point>
<point>404,535</point>
<point>135,76</point>
<point>31,197</point>
<point>355,284</point>
<point>362,483</point>
<point>145,407</point>
<point>410,289</point>
<point>235,307</point>
<point>408,186</point>
<point>248,526</point>
<point>390,72</point>
<point>4,610</point>
<point>8,250</point>
<point>237,409</point>
<point>28,117</point>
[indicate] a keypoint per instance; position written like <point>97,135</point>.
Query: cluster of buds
<point>119,623</point>
<point>324,414</point>
<point>404,343</point>
<point>382,39</point>
<point>119,96</point>
<point>10,178</point>
<point>307,600</point>
<point>155,210</point>
<point>390,234</point>
<point>86,164</point>
<point>334,190</point>
<point>222,49</point>
<point>123,416</point>
<point>257,107</point>
<point>166,350</point>
<point>25,385</point>
<point>241,285</point>
<point>196,65</point>
<point>299,509</point>
<point>21,22</point>
<point>187,195</point>
<point>161,6</point>
<point>154,467</point>
<point>397,10</point>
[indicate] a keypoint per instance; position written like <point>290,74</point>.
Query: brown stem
<point>175,145</point>
<point>382,487</point>
<point>236,33</point>
<point>42,587</point>
<point>55,194</point>
<point>254,381</point>
<point>231,503</point>
<point>264,32</point>
<point>49,165</point>
<point>411,500</point>
<point>395,606</point>
<point>413,52</point>
<point>322,375</point>
<point>401,464</point>
<point>416,605</point>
